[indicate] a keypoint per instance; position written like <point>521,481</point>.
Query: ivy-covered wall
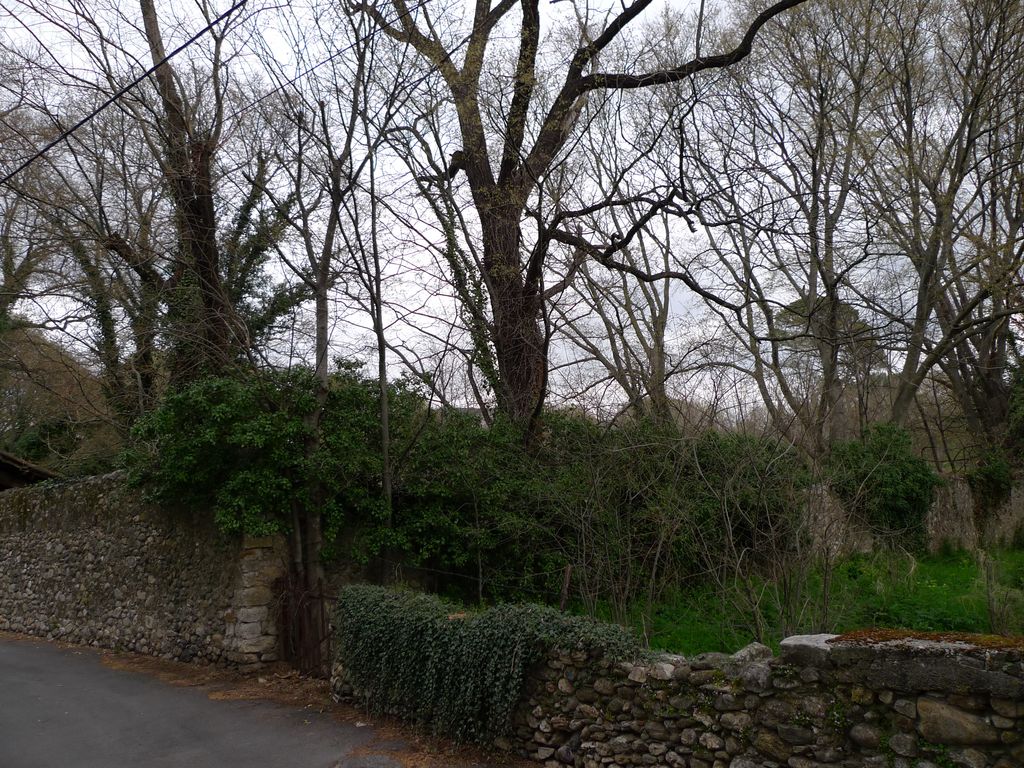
<point>963,517</point>
<point>89,562</point>
<point>585,700</point>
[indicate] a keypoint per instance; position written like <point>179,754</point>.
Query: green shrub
<point>466,499</point>
<point>991,480</point>
<point>485,516</point>
<point>748,497</point>
<point>460,675</point>
<point>880,479</point>
<point>239,448</point>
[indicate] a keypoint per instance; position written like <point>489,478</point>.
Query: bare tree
<point>181,118</point>
<point>509,148</point>
<point>863,217</point>
<point>943,179</point>
<point>786,231</point>
<point>635,335</point>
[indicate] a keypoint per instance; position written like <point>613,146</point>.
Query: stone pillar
<point>251,633</point>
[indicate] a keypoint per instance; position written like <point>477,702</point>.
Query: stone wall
<point>820,704</point>
<point>910,704</point>
<point>88,562</point>
<point>952,520</point>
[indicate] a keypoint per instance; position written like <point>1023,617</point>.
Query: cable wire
<point>313,67</point>
<point>65,135</point>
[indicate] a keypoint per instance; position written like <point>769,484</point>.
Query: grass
<point>945,592</point>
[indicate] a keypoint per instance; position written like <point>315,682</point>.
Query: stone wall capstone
<point>819,704</point>
<point>88,562</point>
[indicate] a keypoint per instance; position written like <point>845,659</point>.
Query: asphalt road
<point>62,707</point>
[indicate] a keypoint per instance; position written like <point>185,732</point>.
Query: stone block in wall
<point>257,614</point>
<point>255,604</point>
<point>258,596</point>
<point>258,644</point>
<point>807,650</point>
<point>929,666</point>
<point>943,723</point>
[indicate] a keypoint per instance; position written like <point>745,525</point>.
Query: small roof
<point>15,472</point>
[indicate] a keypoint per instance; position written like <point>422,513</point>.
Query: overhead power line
<point>65,135</point>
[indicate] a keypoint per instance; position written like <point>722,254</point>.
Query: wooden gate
<point>305,628</point>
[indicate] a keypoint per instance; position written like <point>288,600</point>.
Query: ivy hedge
<point>457,674</point>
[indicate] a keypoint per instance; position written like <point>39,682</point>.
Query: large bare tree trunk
<point>518,338</point>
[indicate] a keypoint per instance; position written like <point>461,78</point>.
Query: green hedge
<point>457,674</point>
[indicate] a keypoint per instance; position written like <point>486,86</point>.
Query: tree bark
<point>516,305</point>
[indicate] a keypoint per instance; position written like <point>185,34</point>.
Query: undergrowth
<point>938,592</point>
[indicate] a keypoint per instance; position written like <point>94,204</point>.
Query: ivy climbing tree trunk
<point>215,335</point>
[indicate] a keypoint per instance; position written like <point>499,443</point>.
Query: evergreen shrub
<point>880,479</point>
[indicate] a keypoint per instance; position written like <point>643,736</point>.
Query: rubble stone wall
<point>952,520</point>
<point>823,702</point>
<point>912,704</point>
<point>89,562</point>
